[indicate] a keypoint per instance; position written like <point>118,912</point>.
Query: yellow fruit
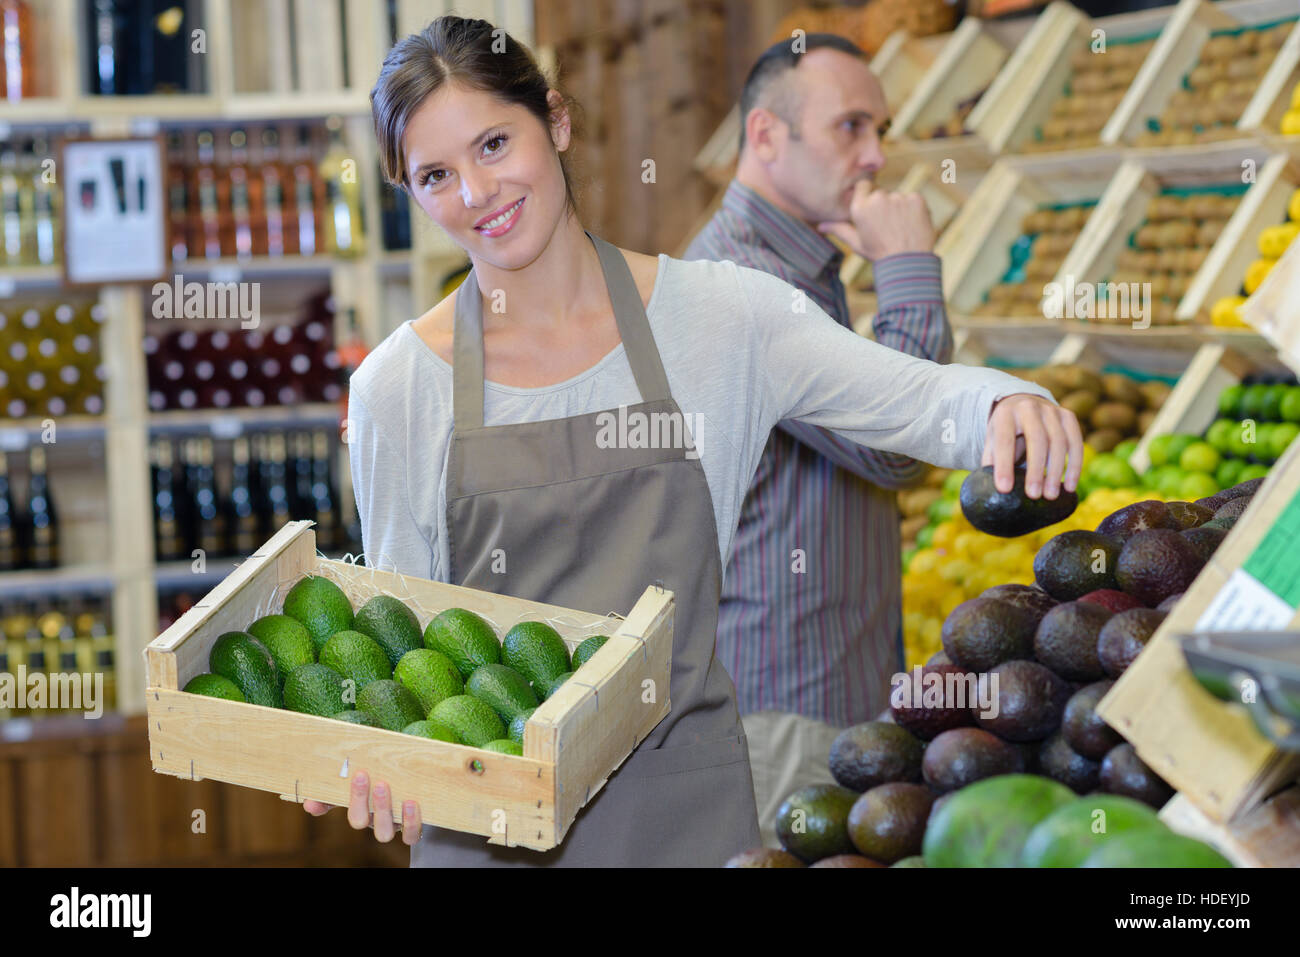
<point>945,535</point>
<point>1291,123</point>
<point>1224,312</point>
<point>1274,240</point>
<point>1256,272</point>
<point>950,601</point>
<point>968,544</point>
<point>925,560</point>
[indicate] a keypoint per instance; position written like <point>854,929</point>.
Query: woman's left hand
<point>1045,434</point>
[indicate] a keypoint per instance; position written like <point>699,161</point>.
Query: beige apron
<point>589,528</point>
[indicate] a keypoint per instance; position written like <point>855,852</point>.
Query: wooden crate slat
<point>1273,95</point>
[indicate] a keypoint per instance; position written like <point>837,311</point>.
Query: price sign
<point>1274,309</point>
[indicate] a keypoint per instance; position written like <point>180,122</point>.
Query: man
<point>810,621</point>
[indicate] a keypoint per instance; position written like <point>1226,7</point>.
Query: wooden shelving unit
<point>366,284</point>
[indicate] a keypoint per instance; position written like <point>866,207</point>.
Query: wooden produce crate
<point>1206,74</point>
<point>977,246</point>
<point>1263,115</point>
<point>1211,750</point>
<point>1025,102</point>
<point>1161,220</point>
<point>1268,836</point>
<point>572,742</point>
<point>1263,205</point>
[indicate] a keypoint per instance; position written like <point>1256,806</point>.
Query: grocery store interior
<point>149,445</point>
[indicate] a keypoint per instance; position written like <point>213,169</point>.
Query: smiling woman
<point>483,429</point>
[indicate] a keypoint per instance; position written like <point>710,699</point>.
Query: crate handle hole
<point>475,766</point>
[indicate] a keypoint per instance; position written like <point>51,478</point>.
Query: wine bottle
<point>325,499</point>
<point>178,199</point>
<point>306,194</point>
<point>205,227</point>
<point>42,516</point>
<point>169,543</point>
<point>342,227</point>
<point>241,513</point>
<point>210,533</point>
<point>272,224</point>
<point>11,545</point>
<point>16,73</point>
<point>275,485</point>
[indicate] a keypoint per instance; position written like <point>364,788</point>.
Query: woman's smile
<point>501,221</point>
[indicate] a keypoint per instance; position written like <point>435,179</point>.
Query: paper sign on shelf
<point>1274,308</point>
<point>1264,593</point>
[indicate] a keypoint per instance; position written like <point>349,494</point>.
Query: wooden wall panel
<point>8,816</point>
<point>55,794</point>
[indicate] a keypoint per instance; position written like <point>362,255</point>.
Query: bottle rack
<point>381,288</point>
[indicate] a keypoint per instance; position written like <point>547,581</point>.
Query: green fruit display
<point>464,637</point>
<point>1197,485</point>
<point>1252,472</point>
<point>1252,402</point>
<point>315,689</point>
<point>536,651</point>
<point>1228,473</point>
<point>244,660</point>
<point>1290,406</point>
<point>1072,832</point>
<point>504,746</point>
<point>320,606</point>
<point>1219,435</point>
<point>813,822</point>
<point>1230,401</point>
<point>1284,433</point>
<point>987,823</point>
<point>356,656</point>
<point>214,686</point>
<point>288,641</point>
<point>429,675</point>
<point>391,625</point>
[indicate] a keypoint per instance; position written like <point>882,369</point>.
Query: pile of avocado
<point>454,682</point>
<point>917,786</point>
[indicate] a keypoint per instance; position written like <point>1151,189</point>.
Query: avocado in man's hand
<point>1008,514</point>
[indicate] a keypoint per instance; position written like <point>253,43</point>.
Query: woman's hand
<point>1045,434</point>
<point>359,815</point>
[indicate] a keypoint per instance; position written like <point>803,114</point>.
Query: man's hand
<point>1045,434</point>
<point>884,223</point>
<point>381,821</point>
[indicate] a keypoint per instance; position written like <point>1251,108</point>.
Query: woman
<point>479,431</point>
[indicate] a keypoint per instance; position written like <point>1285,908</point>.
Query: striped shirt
<point>811,613</point>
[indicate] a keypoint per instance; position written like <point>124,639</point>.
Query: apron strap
<point>629,314</point>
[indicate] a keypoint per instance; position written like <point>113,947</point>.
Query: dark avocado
<point>1123,772</point>
<point>1066,640</point>
<point>1013,513</point>
<point>873,753</point>
<point>984,632</point>
<point>1157,564</point>
<point>1188,514</point>
<point>925,721</point>
<point>1138,517</point>
<point>1075,563</point>
<point>1124,636</point>
<point>1081,726</point>
<point>1030,700</point>
<point>961,756</point>
<point>1205,540</point>
<point>1058,761</point>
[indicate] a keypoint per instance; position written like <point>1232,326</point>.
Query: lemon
<point>1256,272</point>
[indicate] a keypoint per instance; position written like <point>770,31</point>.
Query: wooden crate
<point>1179,49</point>
<point>572,742</point>
<point>1035,76</point>
<point>975,248</point>
<point>1211,750</point>
<point>1123,208</point>
<point>1264,205</point>
<point>1268,836</point>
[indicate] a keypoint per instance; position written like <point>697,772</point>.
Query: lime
<point>1170,484</point>
<point>1199,457</point>
<point>1284,433</point>
<point>1252,401</point>
<point>952,483</point>
<point>1252,472</point>
<point>1158,450</point>
<point>1263,450</point>
<point>1219,433</point>
<point>1230,400</point>
<point>1197,485</point>
<point>925,536</point>
<point>1271,408</point>
<point>941,509</point>
<point>1150,477</point>
<point>1112,471</point>
<point>1228,473</point>
<point>1241,442</point>
<point>1125,449</point>
<point>1290,407</point>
